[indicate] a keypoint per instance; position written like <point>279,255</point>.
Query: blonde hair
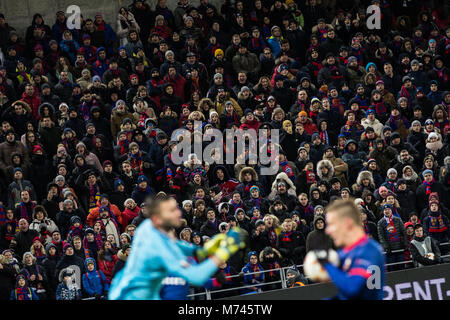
<point>285,222</point>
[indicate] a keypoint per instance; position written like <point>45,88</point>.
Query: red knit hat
<point>36,148</point>
<point>37,239</point>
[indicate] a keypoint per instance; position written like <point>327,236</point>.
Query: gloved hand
<point>210,247</point>
<point>322,256</point>
<point>388,251</point>
<point>97,296</point>
<point>231,244</point>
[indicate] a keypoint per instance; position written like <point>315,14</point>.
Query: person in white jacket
<point>42,223</point>
<point>371,121</point>
<point>125,22</point>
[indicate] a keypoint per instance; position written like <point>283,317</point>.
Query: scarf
<point>75,231</point>
<point>85,111</point>
<point>236,205</point>
<point>272,237</point>
<point>316,66</point>
<point>94,195</point>
<point>428,186</point>
<point>254,268</point>
<point>123,146</point>
<point>366,227</point>
<point>23,293</point>
<point>24,208</point>
<point>441,74</point>
<point>324,137</point>
<point>379,107</point>
<point>437,225</point>
<point>288,170</point>
<point>101,26</point>
<point>3,219</point>
<point>405,93</point>
<point>287,236</point>
<point>392,233</point>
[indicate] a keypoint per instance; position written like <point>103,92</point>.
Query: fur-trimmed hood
<point>365,175</point>
<point>284,177</point>
<point>261,254</point>
<point>414,175</point>
<point>245,170</point>
<point>325,164</point>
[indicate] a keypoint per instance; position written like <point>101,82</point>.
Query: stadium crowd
<point>87,118</point>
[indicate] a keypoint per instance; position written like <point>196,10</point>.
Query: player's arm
<point>200,273</point>
<point>349,283</point>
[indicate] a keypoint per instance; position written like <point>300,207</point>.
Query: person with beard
<point>109,176</point>
<point>119,195</point>
<point>270,259</point>
<point>318,239</point>
<point>424,250</point>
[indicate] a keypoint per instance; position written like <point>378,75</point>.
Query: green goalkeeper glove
<point>210,247</point>
<point>231,244</point>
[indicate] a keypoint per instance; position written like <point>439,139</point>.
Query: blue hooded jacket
<point>94,282</point>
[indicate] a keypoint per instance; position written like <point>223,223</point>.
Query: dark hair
<point>154,203</point>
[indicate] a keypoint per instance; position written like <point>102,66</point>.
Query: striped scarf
<point>3,219</point>
<point>288,170</point>
<point>94,195</point>
<point>428,186</point>
<point>287,236</point>
<point>24,214</point>
<point>392,233</point>
<point>436,224</point>
<point>324,137</point>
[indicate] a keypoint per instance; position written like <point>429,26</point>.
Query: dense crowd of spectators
<point>87,118</point>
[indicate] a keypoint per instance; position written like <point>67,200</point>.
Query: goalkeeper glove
<point>230,245</point>
<point>210,247</point>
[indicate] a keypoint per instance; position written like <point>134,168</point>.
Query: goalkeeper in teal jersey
<point>155,254</point>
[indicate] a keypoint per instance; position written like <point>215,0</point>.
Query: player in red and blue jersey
<point>359,257</point>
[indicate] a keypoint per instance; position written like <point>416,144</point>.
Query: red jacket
<point>310,127</point>
<point>128,216</point>
<point>178,84</point>
<point>34,101</point>
<point>107,267</point>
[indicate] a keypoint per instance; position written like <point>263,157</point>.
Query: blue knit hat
<point>117,182</point>
<point>386,205</point>
<point>142,178</point>
<point>252,253</point>
<point>17,169</point>
<point>370,111</point>
<point>426,172</point>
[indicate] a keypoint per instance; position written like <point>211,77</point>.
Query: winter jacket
<point>318,239</point>
<point>64,293</point>
<point>383,234</point>
<point>94,282</point>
